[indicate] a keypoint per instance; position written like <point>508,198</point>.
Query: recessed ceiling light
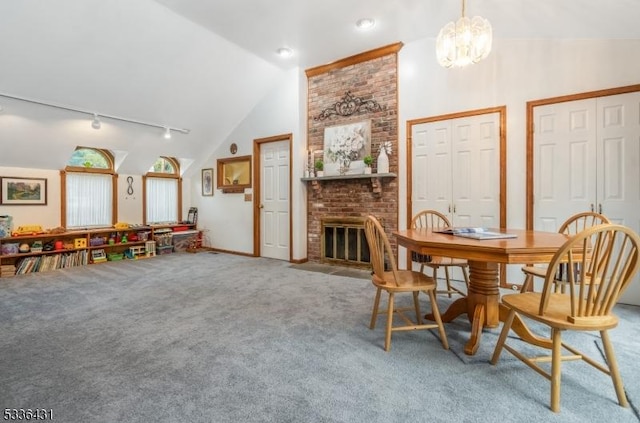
<point>284,52</point>
<point>365,23</point>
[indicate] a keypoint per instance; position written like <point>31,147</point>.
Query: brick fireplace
<point>368,77</point>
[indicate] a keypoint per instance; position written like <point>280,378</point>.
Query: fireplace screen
<point>344,242</point>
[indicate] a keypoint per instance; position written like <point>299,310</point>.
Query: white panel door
<point>587,157</point>
<point>456,169</point>
<point>476,170</point>
<point>274,204</point>
<point>618,184</point>
<point>564,162</point>
<point>431,166</point>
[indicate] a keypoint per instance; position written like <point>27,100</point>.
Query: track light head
<point>96,122</point>
<point>167,133</point>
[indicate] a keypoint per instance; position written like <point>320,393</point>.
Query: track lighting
<point>96,122</point>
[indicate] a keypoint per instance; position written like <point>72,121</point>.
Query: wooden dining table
<point>482,302</point>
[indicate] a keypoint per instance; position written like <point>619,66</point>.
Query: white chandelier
<point>464,42</point>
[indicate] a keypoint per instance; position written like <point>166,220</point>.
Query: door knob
<point>262,206</point>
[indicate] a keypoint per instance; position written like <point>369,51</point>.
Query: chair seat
<point>535,271</point>
<point>528,304</point>
<point>408,280</point>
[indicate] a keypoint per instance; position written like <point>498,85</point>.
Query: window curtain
<point>162,200</point>
<point>89,200</point>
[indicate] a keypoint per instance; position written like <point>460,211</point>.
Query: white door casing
<point>275,201</point>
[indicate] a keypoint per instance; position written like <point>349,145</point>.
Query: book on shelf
<point>476,233</point>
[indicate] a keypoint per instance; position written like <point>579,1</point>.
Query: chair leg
<point>466,276</point>
<point>374,313</point>
<point>434,275</point>
<point>416,305</point>
<point>387,338</point>
<point>527,284</point>
<point>613,368</point>
<point>503,337</point>
<point>556,362</point>
<point>448,280</point>
<point>436,316</point>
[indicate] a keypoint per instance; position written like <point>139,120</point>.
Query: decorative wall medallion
<point>233,148</point>
<point>349,105</point>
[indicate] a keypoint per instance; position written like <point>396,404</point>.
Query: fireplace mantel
<point>375,180</point>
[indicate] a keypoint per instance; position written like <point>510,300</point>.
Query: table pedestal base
<point>483,309</point>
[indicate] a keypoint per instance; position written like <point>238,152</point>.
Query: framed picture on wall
<point>207,182</point>
<point>23,191</point>
<point>345,147</point>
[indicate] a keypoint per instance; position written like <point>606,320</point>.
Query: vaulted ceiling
<point>203,65</point>
<point>323,31</point>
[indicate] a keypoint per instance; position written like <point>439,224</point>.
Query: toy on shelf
<point>150,248</point>
<point>36,247</point>
<point>98,256</point>
<point>27,230</point>
<point>135,252</point>
<point>6,226</point>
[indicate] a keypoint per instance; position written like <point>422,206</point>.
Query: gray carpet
<point>221,338</point>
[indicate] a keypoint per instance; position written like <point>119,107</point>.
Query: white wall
<point>226,218</point>
<point>130,205</point>
<point>517,71</point>
<point>46,216</point>
<point>49,216</point>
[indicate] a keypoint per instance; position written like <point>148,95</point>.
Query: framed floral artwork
<point>207,182</point>
<point>345,147</point>
<point>23,191</point>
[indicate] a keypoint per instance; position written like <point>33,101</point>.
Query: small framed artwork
<point>23,191</point>
<point>207,182</point>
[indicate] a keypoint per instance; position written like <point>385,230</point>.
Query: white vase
<point>367,170</point>
<point>383,161</point>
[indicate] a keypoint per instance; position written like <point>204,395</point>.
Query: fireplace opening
<point>344,242</point>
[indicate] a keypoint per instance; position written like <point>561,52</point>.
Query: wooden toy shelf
<point>77,247</point>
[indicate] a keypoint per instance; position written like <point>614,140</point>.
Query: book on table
<point>476,233</point>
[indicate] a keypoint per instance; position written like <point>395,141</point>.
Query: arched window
<point>89,186</point>
<point>163,192</point>
<point>90,158</point>
<point>165,165</point>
